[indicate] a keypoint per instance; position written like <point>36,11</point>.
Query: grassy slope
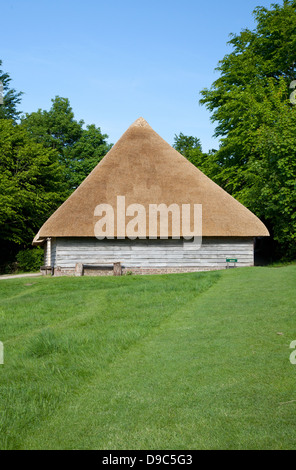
<point>188,361</point>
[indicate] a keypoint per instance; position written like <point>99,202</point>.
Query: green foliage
<point>30,259</point>
<point>56,129</point>
<point>85,154</point>
<point>42,160</point>
<point>11,98</point>
<point>186,144</point>
<point>80,150</point>
<point>189,147</point>
<point>31,185</point>
<point>257,122</point>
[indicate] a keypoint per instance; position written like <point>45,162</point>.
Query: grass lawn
<point>185,361</point>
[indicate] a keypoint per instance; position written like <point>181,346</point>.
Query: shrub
<point>30,259</point>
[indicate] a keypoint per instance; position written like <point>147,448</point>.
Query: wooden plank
<point>162,253</point>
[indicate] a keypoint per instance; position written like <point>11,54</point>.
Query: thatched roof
<point>146,170</point>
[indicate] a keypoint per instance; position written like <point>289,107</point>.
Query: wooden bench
<point>115,267</point>
<point>45,270</point>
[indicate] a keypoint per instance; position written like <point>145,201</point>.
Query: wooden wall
<point>66,252</point>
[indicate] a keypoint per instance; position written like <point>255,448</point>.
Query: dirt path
<point>14,276</point>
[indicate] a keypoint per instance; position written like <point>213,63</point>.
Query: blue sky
<point>117,60</point>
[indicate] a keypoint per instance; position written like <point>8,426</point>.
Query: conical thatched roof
<point>146,170</point>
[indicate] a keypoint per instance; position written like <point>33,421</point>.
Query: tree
<point>56,128</point>
<point>11,98</point>
<point>190,147</point>
<point>79,149</point>
<point>257,123</point>
<point>31,185</point>
<point>86,154</point>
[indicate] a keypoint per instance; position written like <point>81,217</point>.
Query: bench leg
<point>79,269</point>
<point>117,271</point>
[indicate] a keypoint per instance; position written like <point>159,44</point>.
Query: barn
<point>140,172</point>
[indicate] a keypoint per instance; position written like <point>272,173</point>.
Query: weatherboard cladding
<point>66,252</point>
